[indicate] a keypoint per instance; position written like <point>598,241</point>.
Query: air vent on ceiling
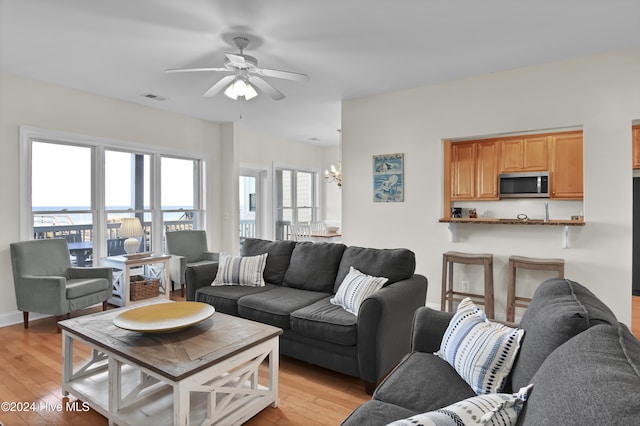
<point>154,97</point>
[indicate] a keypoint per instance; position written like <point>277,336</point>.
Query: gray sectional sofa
<point>300,279</point>
<point>584,366</point>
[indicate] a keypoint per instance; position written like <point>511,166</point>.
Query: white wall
<point>34,103</point>
<point>599,93</point>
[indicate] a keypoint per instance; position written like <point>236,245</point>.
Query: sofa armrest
<point>384,326</point>
<point>197,276</point>
<point>429,326</point>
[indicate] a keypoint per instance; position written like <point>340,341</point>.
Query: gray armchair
<point>45,281</point>
<point>187,248</point>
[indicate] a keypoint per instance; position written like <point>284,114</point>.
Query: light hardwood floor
<point>31,372</point>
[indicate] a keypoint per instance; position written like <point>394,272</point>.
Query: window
<point>295,199</point>
<point>80,188</point>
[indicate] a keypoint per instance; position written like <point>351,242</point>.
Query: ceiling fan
<point>246,74</point>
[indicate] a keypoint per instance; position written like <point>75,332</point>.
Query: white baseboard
<point>15,317</point>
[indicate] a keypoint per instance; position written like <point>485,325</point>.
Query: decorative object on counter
<point>546,211</point>
<point>388,178</point>
<point>456,212</point>
<point>473,214</point>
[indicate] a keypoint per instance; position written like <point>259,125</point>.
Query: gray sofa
<point>300,279</point>
<point>584,366</point>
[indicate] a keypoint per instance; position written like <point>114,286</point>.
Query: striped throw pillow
<point>481,351</point>
<point>496,409</point>
<point>356,287</point>
<point>245,270</point>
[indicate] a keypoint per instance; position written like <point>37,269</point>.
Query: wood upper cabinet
<point>567,170</point>
<point>636,146</point>
<point>487,156</point>
<point>462,171</point>
<point>474,170</point>
<point>524,154</point>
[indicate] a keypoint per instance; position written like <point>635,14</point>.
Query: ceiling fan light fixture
<point>238,88</point>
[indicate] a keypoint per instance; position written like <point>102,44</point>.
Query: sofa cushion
<point>278,259</point>
<point>481,351</point>
<point>225,298</point>
<point>423,382</point>
<point>593,379</point>
<point>79,287</point>
<point>327,322</point>
<point>376,413</point>
<point>560,309</point>
<point>355,288</point>
<point>494,409</point>
<point>241,270</point>
<point>275,306</point>
<point>314,266</point>
<point>395,264</point>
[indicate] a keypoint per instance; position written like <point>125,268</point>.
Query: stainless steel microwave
<point>524,185</point>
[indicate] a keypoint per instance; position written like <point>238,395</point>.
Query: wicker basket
<point>143,288</point>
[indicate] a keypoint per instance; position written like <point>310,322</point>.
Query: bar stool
<point>449,295</point>
<point>530,263</point>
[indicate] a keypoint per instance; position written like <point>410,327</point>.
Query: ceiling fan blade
<point>282,74</point>
<point>267,88</point>
<point>224,81</point>
<point>195,69</point>
<point>237,60</point>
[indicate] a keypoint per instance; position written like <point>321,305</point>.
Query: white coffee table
<point>203,374</point>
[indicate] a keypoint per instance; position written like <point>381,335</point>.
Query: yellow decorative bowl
<point>163,317</point>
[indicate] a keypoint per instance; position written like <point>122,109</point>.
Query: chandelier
<point>334,174</point>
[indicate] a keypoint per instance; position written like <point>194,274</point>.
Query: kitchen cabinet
<point>524,154</point>
<point>487,155</point>
<point>474,170</point>
<point>567,170</point>
<point>462,171</point>
<point>636,146</point>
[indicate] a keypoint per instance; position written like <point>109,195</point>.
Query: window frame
<point>315,196</point>
<point>99,145</point>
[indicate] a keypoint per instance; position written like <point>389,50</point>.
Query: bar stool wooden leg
<point>488,288</point>
<point>511,292</point>
<point>443,296</point>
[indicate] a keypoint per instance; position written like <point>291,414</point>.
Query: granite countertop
<point>498,221</point>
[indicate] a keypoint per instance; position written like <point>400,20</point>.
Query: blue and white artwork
<point>388,178</point>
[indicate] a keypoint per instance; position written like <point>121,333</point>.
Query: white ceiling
<point>349,48</point>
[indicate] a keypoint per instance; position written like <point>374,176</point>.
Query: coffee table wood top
<point>174,355</point>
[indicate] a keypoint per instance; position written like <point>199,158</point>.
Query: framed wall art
<point>388,178</point>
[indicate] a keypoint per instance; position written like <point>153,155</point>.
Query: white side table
<point>156,266</point>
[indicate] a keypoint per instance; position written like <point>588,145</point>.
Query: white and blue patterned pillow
<point>481,351</point>
<point>496,409</point>
<point>245,270</point>
<point>356,287</point>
